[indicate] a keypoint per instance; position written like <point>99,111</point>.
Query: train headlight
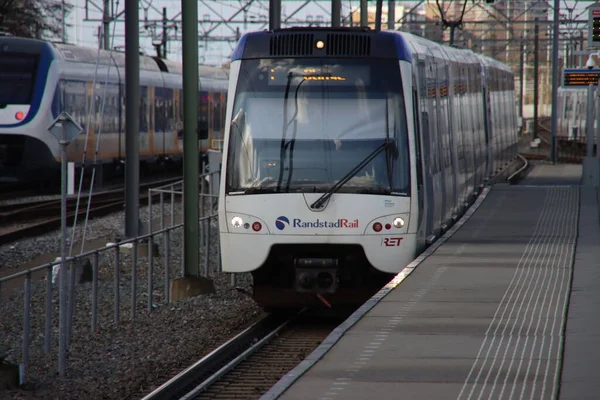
<point>236,222</point>
<point>20,115</point>
<point>398,222</point>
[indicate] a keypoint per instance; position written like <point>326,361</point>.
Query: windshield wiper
<point>321,200</point>
<point>286,125</point>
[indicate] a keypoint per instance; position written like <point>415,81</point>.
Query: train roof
<point>85,55</point>
<point>346,42</point>
<point>339,42</point>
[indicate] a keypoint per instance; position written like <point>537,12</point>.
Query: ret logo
<point>281,223</point>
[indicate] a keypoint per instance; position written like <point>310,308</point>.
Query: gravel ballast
<point>129,358</point>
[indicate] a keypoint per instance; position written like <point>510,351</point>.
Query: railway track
<point>251,363</point>
<point>14,191</point>
<point>37,217</point>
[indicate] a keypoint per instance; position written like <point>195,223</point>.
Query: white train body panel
<point>346,220</point>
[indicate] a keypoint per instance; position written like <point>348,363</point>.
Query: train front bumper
<point>386,253</point>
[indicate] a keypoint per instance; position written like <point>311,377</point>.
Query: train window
<point>75,95</point>
<point>17,77</point>
<point>326,126</point>
<point>204,111</point>
<point>143,109</point>
<point>57,101</point>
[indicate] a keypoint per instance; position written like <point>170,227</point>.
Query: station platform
<point>502,306</point>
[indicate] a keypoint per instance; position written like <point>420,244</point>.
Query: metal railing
<point>111,280</point>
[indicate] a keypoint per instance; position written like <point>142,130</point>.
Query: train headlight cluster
<point>238,222</point>
<point>398,223</point>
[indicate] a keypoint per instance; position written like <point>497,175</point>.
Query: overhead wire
<point>99,133</point>
<point>89,124</point>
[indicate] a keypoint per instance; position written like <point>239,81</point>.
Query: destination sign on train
<point>331,74</point>
<point>580,77</point>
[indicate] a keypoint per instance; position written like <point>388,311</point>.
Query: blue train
<point>39,79</point>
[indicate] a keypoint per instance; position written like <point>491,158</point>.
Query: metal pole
<point>536,79</point>
<point>392,15</point>
<point>190,137</point>
<point>132,123</point>
<point>521,83</point>
<point>106,24</point>
<point>336,13</point>
<point>453,26</point>
<point>164,34</point>
<point>364,13</point>
<point>64,21</point>
<point>554,81</point>
<point>62,339</point>
<point>589,121</point>
<point>595,140</point>
<point>378,10</point>
<point>274,14</point>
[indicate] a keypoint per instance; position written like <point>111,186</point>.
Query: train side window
<point>75,96</point>
<point>143,109</point>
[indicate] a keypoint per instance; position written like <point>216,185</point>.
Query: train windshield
<point>17,78</point>
<point>302,125</point>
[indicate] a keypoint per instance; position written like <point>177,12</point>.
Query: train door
<point>487,125</point>
<point>178,121</point>
<point>160,119</point>
<point>443,150</point>
<point>428,152</point>
<point>504,116</point>
<point>144,120</point>
<point>204,117</point>
<point>151,120</point>
<point>218,105</point>
<point>464,159</point>
<point>423,178</point>
<point>453,140</point>
<point>436,149</point>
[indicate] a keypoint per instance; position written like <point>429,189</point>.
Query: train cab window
<point>17,77</point>
<point>301,124</point>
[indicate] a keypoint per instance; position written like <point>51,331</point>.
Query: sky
<point>84,32</point>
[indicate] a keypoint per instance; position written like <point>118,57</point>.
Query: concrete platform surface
<point>483,316</point>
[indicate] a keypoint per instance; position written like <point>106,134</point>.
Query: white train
<point>347,151</point>
<point>40,79</point>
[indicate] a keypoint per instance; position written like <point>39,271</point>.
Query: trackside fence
<point>109,284</point>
